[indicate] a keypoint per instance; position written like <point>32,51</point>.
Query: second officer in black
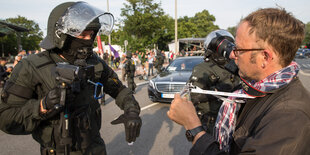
<point>130,69</point>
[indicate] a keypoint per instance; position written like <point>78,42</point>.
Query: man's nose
<point>232,55</point>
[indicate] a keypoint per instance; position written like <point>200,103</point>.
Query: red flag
<point>100,50</point>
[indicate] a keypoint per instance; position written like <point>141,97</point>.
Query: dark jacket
<point>130,68</point>
<point>3,73</point>
<point>278,123</point>
<point>34,77</point>
<point>209,75</point>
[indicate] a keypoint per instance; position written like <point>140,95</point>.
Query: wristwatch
<point>190,134</point>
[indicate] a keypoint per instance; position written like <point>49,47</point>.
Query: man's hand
<point>183,112</point>
<point>132,123</point>
<point>9,70</point>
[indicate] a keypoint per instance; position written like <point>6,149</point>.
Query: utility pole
<point>108,11</point>
<point>176,30</point>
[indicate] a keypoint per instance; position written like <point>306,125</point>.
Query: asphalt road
<point>159,135</point>
<point>304,73</point>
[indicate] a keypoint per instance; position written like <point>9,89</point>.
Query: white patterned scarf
<point>226,119</point>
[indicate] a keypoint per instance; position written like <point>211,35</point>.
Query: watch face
<point>189,135</point>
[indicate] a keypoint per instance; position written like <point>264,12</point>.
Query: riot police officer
<point>30,101</point>
<point>215,73</point>
<point>130,69</point>
<point>159,61</point>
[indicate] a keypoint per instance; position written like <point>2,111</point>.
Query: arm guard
<point>114,87</point>
<point>18,113</point>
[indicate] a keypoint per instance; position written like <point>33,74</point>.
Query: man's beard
<point>244,76</point>
<point>248,77</point>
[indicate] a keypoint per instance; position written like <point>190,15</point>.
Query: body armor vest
<point>84,115</point>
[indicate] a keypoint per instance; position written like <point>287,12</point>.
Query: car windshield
<point>184,64</point>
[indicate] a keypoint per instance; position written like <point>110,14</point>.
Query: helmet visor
<point>215,34</point>
<point>80,15</point>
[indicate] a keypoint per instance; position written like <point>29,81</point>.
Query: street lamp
<point>109,37</point>
<point>176,29</point>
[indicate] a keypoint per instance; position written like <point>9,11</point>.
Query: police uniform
<point>215,73</point>
<point>159,62</point>
<point>209,75</point>
<point>130,69</point>
<point>3,75</point>
<point>33,79</point>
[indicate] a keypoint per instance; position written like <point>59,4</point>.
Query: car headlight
<point>151,83</point>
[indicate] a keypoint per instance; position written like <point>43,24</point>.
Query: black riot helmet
<point>220,42</point>
<point>70,19</point>
<point>218,46</point>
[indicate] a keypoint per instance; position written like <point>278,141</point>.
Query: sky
<point>227,12</point>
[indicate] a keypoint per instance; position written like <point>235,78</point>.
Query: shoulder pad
<point>40,60</point>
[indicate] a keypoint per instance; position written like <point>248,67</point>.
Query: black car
<point>302,54</point>
<point>172,80</point>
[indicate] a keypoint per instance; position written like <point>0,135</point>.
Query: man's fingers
<point>134,132</point>
<point>127,131</point>
<point>169,114</point>
<point>177,95</point>
<point>131,132</point>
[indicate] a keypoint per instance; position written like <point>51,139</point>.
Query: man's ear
<point>268,55</point>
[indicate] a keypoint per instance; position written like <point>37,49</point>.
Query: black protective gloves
<point>51,103</point>
<point>51,99</point>
<point>132,123</point>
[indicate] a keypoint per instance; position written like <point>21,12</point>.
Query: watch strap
<point>190,134</point>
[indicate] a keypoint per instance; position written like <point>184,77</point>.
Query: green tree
<point>307,35</point>
<point>198,26</point>
<point>29,40</point>
<point>205,23</point>
<point>232,30</point>
<point>144,25</point>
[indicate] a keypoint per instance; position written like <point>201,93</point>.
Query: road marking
<point>305,65</point>
<point>307,74</point>
<point>149,106</point>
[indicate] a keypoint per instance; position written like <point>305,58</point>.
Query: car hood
<point>173,77</point>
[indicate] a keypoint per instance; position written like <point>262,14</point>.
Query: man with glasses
<point>277,120</point>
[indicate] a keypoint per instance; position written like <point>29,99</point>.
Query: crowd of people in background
<point>7,64</point>
<point>144,62</point>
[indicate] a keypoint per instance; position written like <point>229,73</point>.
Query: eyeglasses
<point>237,51</point>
